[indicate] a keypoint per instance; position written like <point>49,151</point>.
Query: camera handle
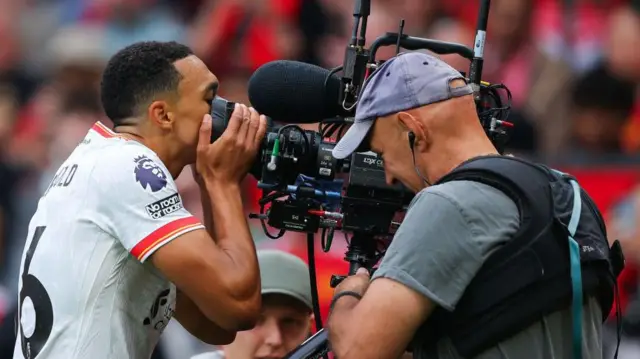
<point>361,252</point>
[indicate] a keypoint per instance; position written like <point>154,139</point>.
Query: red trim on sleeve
<point>161,234</point>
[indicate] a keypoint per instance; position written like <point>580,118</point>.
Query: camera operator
<point>419,114</point>
<point>112,254</point>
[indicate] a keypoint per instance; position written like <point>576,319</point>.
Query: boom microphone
<point>295,92</point>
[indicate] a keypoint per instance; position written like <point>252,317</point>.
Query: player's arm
<point>219,274</point>
<point>187,312</point>
<point>196,323</point>
<point>220,277</point>
<point>205,200</point>
<point>229,295</point>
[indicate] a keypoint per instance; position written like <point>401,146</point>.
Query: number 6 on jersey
<point>36,312</point>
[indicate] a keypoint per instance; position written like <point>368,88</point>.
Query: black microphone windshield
<point>295,92</point>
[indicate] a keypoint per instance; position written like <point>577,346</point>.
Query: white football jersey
<point>86,290</point>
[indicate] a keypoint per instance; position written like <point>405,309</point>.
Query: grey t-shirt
<point>447,234</point>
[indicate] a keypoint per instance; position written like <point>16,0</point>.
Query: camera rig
<point>309,191</point>
<point>305,189</point>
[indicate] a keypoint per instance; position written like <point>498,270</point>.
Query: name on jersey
<point>164,206</point>
<point>63,178</point>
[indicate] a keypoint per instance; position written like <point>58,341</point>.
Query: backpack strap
<point>576,270</point>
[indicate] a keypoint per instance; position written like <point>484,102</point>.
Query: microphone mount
<point>360,62</point>
<point>356,56</point>
<point>475,70</point>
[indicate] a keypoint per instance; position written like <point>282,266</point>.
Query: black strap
<point>346,293</point>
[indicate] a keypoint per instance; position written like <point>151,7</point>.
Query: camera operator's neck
<point>443,158</point>
<point>458,138</point>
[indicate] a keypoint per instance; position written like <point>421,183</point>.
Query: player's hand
<point>196,176</point>
<point>230,157</point>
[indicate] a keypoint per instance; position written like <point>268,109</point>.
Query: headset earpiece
<point>412,139</point>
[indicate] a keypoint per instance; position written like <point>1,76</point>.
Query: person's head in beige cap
<point>286,311</point>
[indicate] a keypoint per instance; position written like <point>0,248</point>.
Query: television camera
<point>304,188</point>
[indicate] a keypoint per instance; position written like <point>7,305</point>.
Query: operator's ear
<point>410,122</point>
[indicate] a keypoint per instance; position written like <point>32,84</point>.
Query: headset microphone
<point>412,141</point>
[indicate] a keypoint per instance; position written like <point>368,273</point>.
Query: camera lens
<point>221,111</point>
<point>286,151</point>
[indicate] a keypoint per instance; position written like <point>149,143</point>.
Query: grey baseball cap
<point>404,82</point>
<point>284,273</point>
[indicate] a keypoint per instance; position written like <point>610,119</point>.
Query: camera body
<point>300,164</point>
<point>369,204</point>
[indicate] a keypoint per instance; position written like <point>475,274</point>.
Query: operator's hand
<point>358,282</point>
<point>229,158</point>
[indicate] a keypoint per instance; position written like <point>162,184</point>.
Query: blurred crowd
<point>573,68</point>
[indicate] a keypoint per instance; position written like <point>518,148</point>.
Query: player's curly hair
<point>137,73</point>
